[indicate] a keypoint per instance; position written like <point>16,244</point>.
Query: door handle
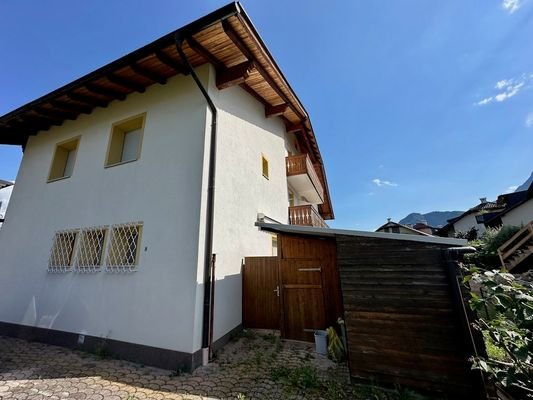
<point>277,290</point>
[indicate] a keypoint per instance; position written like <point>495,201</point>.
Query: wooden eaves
<point>225,38</point>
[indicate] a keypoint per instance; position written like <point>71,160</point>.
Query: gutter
<point>209,257</point>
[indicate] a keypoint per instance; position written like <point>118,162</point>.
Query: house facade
<point>6,187</point>
<point>474,218</point>
<point>395,227</point>
<point>133,211</point>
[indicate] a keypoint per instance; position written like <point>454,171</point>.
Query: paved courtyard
<point>254,366</point>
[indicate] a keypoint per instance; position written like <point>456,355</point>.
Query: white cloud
<point>511,5</point>
<point>508,88</point>
<point>529,120</point>
<point>381,183</point>
<point>511,189</point>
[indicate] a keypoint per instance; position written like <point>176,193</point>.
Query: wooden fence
<point>402,324</point>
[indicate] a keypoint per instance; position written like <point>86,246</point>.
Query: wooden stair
<point>518,248</point>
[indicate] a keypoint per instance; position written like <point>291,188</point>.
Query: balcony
<point>302,176</point>
<point>306,216</point>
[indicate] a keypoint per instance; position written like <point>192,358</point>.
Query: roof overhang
<point>225,38</point>
<point>329,232</point>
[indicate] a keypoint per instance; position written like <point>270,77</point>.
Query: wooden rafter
<point>105,91</point>
<point>232,76</point>
<point>77,108</point>
<point>57,114</point>
<point>148,73</point>
<point>228,29</point>
<point>90,100</point>
<point>171,62</point>
<point>126,83</point>
<point>204,53</point>
<point>276,111</point>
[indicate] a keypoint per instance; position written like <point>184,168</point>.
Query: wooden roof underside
<point>230,43</point>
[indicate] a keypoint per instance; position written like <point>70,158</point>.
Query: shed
<point>394,292</point>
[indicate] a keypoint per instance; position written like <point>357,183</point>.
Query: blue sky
<point>417,105</point>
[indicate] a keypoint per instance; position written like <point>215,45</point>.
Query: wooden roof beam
<point>295,128</point>
<point>232,76</point>
<point>70,107</point>
<point>148,73</point>
<point>238,42</point>
<point>171,62</point>
<point>126,83</point>
<point>55,113</point>
<point>204,53</point>
<point>42,118</point>
<point>276,111</point>
<point>115,94</point>
<point>90,100</point>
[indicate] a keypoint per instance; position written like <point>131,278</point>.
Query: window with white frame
<point>63,249</point>
<point>90,249</point>
<point>123,248</point>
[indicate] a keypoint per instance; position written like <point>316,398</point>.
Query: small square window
<point>123,249</point>
<point>90,249</point>
<point>63,160</point>
<point>62,253</point>
<point>125,141</point>
<point>264,164</point>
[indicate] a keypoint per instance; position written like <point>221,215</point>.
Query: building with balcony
<point>139,190</point>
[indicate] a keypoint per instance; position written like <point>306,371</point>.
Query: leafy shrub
<point>487,245</point>
<point>509,326</point>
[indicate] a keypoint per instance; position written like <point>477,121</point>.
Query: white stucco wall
<point>466,223</point>
<point>519,216</point>
<point>155,305</point>
<point>242,192</point>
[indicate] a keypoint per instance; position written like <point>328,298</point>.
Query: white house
<point>517,211</point>
<point>6,188</point>
<point>139,189</point>
<point>474,218</point>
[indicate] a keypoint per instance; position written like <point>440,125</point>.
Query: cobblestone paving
<point>251,367</point>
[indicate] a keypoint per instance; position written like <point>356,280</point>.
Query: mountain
<point>433,218</point>
<point>526,184</point>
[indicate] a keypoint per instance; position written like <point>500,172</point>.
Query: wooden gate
<point>296,292</point>
<point>260,292</point>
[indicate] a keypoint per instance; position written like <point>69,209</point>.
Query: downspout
<point>209,257</point>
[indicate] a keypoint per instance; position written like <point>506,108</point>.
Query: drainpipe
<point>209,257</point>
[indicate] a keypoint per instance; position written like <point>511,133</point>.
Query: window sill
<point>58,179</point>
<point>120,163</point>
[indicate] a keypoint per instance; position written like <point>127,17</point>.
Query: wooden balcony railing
<point>301,164</point>
<point>517,248</point>
<point>306,215</point>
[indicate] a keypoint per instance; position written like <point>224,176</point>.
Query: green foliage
<point>508,325</point>
<point>305,377</point>
<point>486,255</point>
<point>469,235</point>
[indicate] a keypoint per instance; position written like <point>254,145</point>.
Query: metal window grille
<point>62,253</point>
<point>123,248</point>
<point>90,249</point>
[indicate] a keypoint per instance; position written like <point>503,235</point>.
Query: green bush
<point>508,326</point>
<point>486,255</point>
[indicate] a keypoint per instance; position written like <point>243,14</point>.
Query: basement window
<point>90,249</point>
<point>63,160</point>
<point>264,166</point>
<point>125,141</point>
<point>123,248</point>
<point>62,253</point>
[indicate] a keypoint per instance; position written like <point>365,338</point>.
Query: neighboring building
<point>475,217</point>
<point>424,227</point>
<point>121,200</point>
<point>6,187</point>
<point>517,209</point>
<point>395,227</point>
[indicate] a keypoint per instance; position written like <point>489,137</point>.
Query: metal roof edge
<point>330,232</point>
